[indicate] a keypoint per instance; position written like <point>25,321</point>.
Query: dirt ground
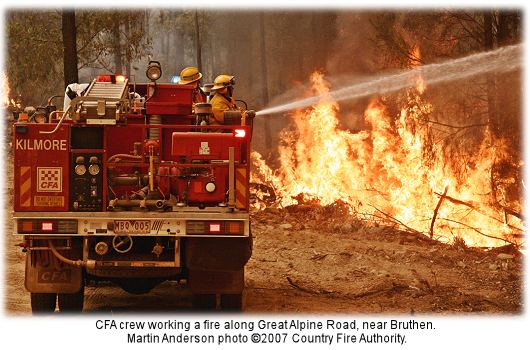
<point>317,261</point>
<point>300,265</point>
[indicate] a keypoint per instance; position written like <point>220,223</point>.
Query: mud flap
<point>216,282</point>
<point>69,279</point>
<point>222,254</point>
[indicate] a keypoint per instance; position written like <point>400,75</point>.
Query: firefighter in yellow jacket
<point>192,76</point>
<point>223,101</point>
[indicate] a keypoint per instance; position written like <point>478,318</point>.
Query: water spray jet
<point>501,60</point>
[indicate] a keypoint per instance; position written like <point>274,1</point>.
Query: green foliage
<point>34,59</point>
<point>34,54</point>
<point>183,22</point>
<point>101,34</point>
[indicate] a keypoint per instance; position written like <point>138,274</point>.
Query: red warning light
<point>47,226</point>
<point>215,227</point>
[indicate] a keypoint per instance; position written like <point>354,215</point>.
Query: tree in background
<point>111,40</point>
<point>185,40</point>
<point>40,61</point>
<point>69,32</point>
<point>198,41</point>
<point>295,44</point>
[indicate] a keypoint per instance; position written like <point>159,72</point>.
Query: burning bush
<point>406,168</point>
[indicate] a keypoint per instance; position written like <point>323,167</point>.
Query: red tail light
<point>47,226</point>
<point>215,227</point>
<point>36,226</point>
<point>111,78</point>
<point>195,227</point>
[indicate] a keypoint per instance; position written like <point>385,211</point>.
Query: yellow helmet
<point>189,75</point>
<point>223,81</point>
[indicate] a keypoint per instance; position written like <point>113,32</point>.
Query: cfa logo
<point>50,179</point>
<point>54,276</point>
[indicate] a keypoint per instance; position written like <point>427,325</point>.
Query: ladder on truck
<point>104,100</point>
<point>102,103</point>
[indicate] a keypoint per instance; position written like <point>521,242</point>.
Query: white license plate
<point>132,227</point>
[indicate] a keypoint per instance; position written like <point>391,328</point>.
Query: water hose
<point>89,264</point>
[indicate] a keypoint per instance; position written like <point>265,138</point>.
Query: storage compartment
<point>169,99</point>
<point>212,146</point>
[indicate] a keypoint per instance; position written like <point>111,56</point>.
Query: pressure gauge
<point>93,169</point>
<point>80,169</point>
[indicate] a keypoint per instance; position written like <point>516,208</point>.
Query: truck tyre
<point>43,303</point>
<point>232,302</point>
<point>71,302</point>
<point>204,301</point>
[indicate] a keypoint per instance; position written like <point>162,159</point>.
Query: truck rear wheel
<point>232,302</point>
<point>72,302</point>
<point>43,303</point>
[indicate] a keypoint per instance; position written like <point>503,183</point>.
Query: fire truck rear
<point>129,185</point>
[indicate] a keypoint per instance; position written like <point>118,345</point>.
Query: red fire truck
<point>130,184</point>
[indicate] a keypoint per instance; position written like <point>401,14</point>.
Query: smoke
<point>353,51</point>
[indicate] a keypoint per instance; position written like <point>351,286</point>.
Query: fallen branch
<point>436,210</point>
<point>476,230</point>
<point>470,205</point>
<point>394,219</point>
<point>395,288</point>
<point>370,216</point>
<point>512,212</point>
<point>298,287</point>
<point>319,256</point>
<point>454,126</point>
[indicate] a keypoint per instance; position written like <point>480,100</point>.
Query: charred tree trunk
<point>117,51</point>
<point>490,90</point>
<point>507,123</point>
<point>264,79</point>
<point>163,45</point>
<point>127,33</point>
<point>508,27</point>
<point>178,44</point>
<point>490,78</point>
<point>69,47</point>
<point>488,30</point>
<point>198,43</point>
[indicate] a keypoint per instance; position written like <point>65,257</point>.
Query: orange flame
<point>380,173</point>
<point>6,91</point>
